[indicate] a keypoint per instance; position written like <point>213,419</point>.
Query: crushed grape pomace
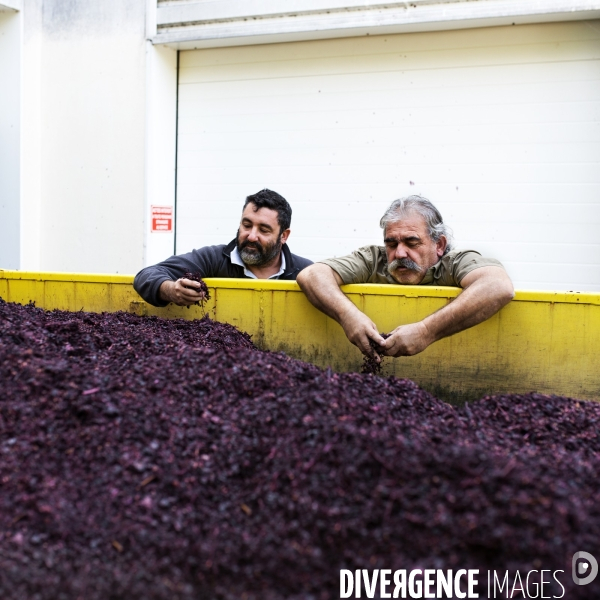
<point>370,365</point>
<point>203,288</point>
<point>144,458</point>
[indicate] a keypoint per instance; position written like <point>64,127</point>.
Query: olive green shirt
<point>369,265</point>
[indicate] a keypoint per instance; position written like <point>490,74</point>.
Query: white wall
<point>31,136</point>
<point>10,79</point>
<point>84,135</point>
<point>161,141</point>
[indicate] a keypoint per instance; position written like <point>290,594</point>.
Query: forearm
<point>321,286</point>
<point>147,284</point>
<point>480,300</point>
<point>165,291</point>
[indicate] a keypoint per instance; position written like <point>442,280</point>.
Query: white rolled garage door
<point>499,127</point>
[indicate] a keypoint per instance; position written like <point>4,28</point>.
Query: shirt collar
<point>236,259</point>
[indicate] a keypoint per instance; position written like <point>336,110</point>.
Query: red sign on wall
<point>161,218</point>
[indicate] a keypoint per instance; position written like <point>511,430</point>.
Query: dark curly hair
<point>270,199</point>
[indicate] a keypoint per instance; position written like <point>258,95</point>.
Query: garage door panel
<point>379,195</point>
<point>512,194</point>
<point>559,75</point>
<point>222,215</point>
<point>547,253</point>
<point>342,81</point>
<point>396,142</point>
<point>577,278</point>
<point>364,140</point>
<point>516,231</point>
<point>443,119</point>
<point>528,214</point>
<point>484,173</point>
<point>546,153</point>
<point>437,98</point>
<point>394,61</point>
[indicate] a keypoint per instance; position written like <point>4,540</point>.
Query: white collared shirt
<point>236,259</point>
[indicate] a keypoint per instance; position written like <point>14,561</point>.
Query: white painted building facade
<point>491,108</point>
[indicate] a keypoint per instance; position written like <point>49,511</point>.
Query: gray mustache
<point>406,263</point>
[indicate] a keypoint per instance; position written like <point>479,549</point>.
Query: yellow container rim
<point>366,289</point>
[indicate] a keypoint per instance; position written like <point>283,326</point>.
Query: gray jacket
<point>210,261</point>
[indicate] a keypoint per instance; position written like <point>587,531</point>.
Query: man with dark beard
<point>259,251</point>
<point>417,251</point>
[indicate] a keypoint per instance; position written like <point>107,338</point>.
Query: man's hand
<point>183,292</point>
<point>360,330</point>
<point>408,340</point>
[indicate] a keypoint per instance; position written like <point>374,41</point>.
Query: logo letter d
<point>346,583</point>
<point>590,562</point>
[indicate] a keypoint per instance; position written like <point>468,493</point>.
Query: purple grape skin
<point>198,277</point>
<point>370,365</point>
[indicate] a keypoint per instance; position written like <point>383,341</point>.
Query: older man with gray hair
<point>417,251</point>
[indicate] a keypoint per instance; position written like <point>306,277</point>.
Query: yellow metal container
<point>542,341</point>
